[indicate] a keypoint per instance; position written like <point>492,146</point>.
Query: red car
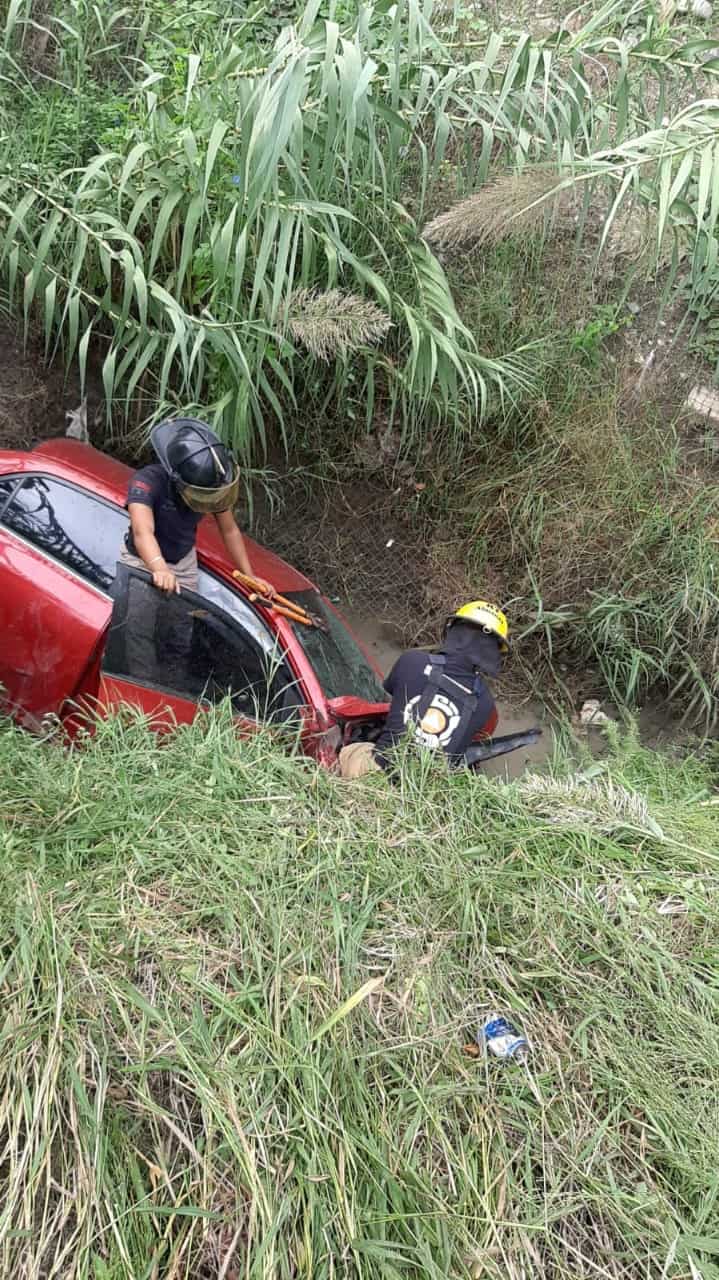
<point>65,638</point>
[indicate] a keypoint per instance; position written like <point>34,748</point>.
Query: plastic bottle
<point>502,1039</point>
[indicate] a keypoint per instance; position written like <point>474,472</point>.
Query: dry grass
<point>511,205</point>
<point>334,323</point>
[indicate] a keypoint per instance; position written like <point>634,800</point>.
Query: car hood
<point>349,708</point>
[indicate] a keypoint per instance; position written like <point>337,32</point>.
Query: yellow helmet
<point>480,613</point>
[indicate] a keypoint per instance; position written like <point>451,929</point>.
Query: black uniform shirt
<point>440,728</point>
<point>175,524</point>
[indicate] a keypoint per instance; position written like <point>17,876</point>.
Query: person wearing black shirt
<point>195,475</point>
<point>440,700</point>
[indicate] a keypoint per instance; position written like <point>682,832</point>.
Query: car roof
<point>73,460</point>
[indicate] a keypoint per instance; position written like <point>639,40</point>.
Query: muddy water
<point>380,641</point>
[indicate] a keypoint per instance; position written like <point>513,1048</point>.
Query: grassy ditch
<point>589,510</point>
<point>188,1088</point>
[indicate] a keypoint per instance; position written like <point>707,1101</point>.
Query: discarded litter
<point>703,402</point>
<point>673,906</point>
<point>390,543</point>
<point>502,1039</point>
<point>698,8</point>
<point>592,714</point>
<point>77,423</point>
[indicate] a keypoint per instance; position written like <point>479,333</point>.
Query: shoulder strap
<point>436,662</point>
<point>466,700</point>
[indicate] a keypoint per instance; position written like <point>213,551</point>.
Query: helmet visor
<point>211,501</point>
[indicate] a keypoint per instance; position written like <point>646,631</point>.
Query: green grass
<point>186,1092</point>
<point>603,528</point>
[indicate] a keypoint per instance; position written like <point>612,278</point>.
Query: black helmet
<point>199,465</point>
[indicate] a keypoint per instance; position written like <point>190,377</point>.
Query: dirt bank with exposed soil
<point>33,398</point>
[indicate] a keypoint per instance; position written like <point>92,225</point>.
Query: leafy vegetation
<point>236,992</point>
<point>599,506</point>
<point>172,177</point>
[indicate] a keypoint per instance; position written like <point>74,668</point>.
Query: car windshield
<point>340,664</point>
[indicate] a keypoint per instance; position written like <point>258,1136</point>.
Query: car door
<point>54,602</point>
<point>168,654</point>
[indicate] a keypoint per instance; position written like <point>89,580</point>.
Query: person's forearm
<point>237,551</point>
<point>148,549</point>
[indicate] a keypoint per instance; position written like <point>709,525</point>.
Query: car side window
<point>69,524</point>
<point>183,645</point>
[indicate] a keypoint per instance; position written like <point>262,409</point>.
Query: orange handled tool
<point>257,586</point>
<point>286,608</point>
<point>293,614</point>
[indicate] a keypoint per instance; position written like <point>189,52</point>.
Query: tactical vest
<point>443,711</point>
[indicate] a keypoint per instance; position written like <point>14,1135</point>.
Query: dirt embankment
<point>33,398</point>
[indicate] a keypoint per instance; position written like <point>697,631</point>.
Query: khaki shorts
<point>185,570</point>
<point>357,760</point>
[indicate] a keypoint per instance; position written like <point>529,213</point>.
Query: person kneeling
<point>441,698</point>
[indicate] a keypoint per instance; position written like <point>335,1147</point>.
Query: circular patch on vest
<point>435,721</point>
<point>439,721</point>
